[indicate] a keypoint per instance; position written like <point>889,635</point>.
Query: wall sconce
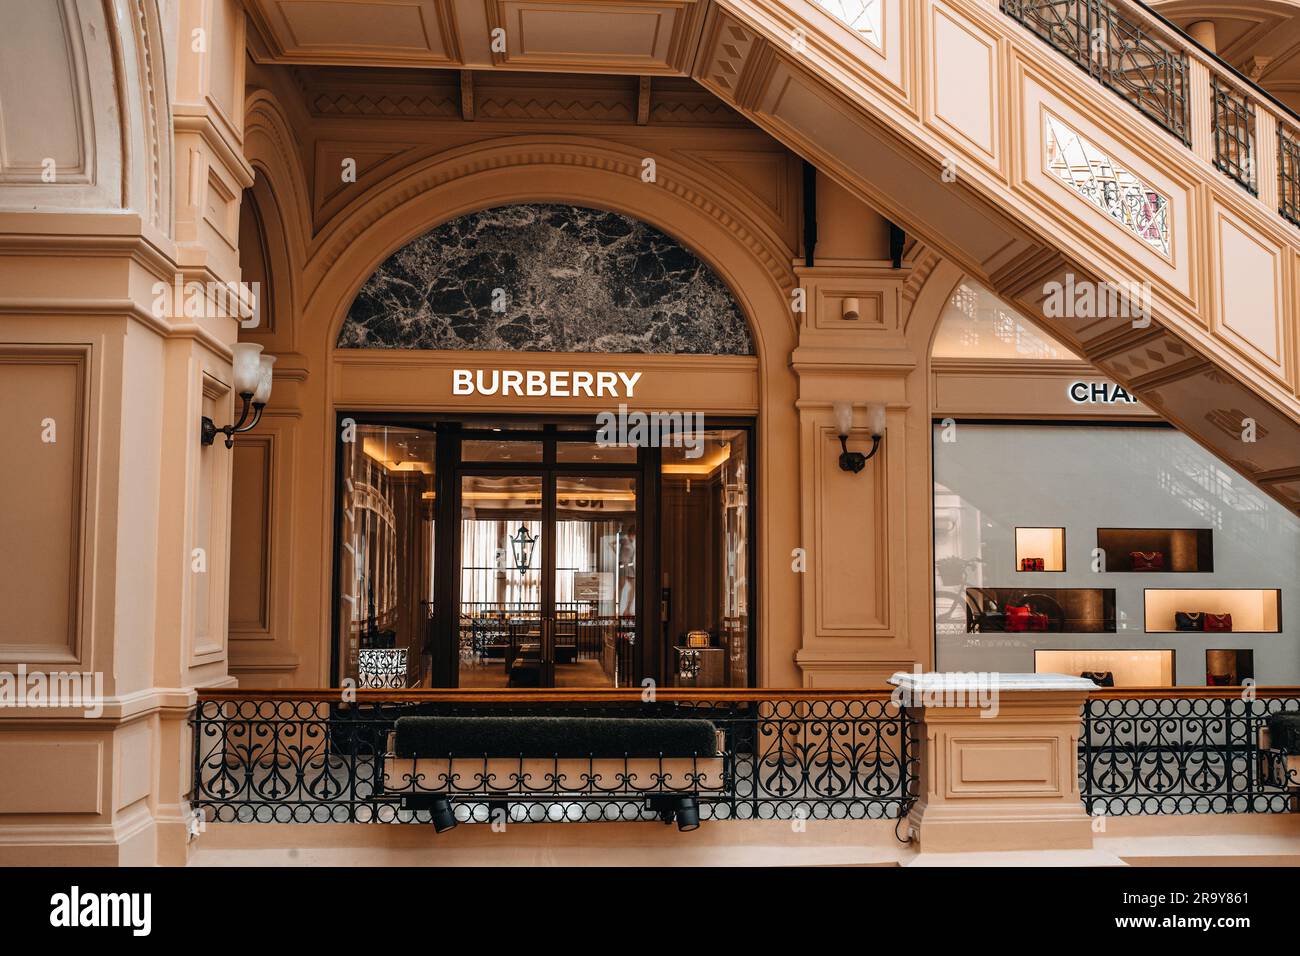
<point>855,461</point>
<point>252,372</point>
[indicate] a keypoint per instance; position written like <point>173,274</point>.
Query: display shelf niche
<point>1045,543</point>
<point>1130,668</point>
<point>1229,666</point>
<point>1253,610</point>
<point>1185,550</point>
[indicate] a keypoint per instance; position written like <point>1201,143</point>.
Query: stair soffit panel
<point>1214,300</point>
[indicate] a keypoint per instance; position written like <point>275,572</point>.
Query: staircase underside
<point>962,88</point>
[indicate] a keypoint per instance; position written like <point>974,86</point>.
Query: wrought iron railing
<point>1183,751</point>
<point>1116,49</point>
<point>1144,59</point>
<point>1288,173</point>
<point>313,757</point>
<point>1234,134</point>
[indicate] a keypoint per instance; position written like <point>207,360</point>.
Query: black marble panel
<point>543,277</point>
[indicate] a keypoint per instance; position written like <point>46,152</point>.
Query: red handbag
<point>1147,560</point>
<point>1032,564</point>
<point>1218,680</point>
<point>1037,621</point>
<point>1218,622</point>
<point>1018,617</point>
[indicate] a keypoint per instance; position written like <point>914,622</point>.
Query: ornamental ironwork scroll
<point>294,760</point>
<point>1118,51</point>
<point>1161,755</point>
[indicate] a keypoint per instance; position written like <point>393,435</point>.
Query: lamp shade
<point>843,418</point>
<point>247,367</point>
<point>876,420</point>
<point>263,393</point>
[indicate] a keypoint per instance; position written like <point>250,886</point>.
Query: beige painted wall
<point>112,493</point>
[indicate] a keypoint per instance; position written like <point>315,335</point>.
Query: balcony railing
<point>313,757</point>
<point>1118,50</point>
<point>1145,60</point>
<point>1183,751</point>
<point>1234,134</point>
<point>1288,166</point>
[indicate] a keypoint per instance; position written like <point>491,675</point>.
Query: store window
<point>704,506</point>
<point>481,554</point>
<point>385,559</point>
<point>1124,552</point>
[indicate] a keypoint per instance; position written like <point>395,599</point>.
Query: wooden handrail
<point>555,695</point>
<point>1194,691</point>
<point>667,695</point>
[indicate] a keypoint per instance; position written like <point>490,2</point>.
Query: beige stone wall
<point>111,492</point>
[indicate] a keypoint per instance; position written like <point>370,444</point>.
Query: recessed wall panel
<point>42,393</point>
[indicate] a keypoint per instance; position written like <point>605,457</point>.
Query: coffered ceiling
<point>642,37</point>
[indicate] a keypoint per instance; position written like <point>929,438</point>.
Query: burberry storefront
<point>582,551</point>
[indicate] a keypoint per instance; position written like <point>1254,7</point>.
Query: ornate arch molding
<point>941,278</point>
<point>270,148</point>
<point>137,47</point>
<point>281,196</point>
<point>574,170</point>
<point>91,52</point>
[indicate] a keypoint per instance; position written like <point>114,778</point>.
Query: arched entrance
<point>571,504</point>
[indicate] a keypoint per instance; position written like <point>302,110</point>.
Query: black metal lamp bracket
<point>208,430</point>
<point>855,461</point>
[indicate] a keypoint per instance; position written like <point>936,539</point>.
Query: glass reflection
<point>386,571</point>
<point>704,507</point>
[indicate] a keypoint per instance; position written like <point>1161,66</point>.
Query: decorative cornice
<point>596,109</point>
<point>346,103</point>
<point>577,153</point>
<point>593,104</point>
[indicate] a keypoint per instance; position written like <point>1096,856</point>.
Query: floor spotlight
<point>688,814</point>
<point>444,817</point>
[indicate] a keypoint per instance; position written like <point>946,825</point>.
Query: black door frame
<point>450,430</point>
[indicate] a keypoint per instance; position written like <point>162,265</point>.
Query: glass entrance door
<point>502,537</point>
<point>548,564</point>
<point>595,560</point>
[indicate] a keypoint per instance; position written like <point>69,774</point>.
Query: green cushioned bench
<point>553,737</point>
